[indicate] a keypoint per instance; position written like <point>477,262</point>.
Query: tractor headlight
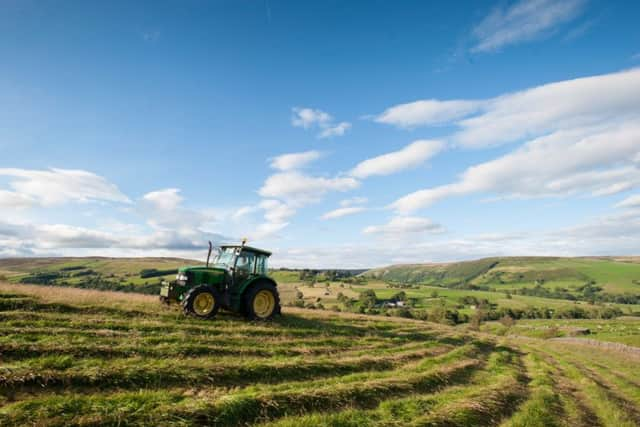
<point>181,277</point>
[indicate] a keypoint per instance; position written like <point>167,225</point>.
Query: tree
<point>368,298</point>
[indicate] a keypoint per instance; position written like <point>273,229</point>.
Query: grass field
<point>624,330</point>
<point>84,357</point>
<point>428,298</point>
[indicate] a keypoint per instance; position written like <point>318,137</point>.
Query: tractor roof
<point>248,248</point>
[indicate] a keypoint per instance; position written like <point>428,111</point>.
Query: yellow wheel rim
<point>264,303</point>
<point>203,304</point>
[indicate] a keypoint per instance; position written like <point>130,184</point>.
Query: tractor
<point>235,280</point>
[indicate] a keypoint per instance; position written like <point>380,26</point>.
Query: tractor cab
<point>236,279</point>
<point>241,262</point>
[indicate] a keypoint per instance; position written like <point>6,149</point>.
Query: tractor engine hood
<point>209,270</point>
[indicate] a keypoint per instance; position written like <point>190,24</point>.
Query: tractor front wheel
<point>202,301</point>
<point>261,302</point>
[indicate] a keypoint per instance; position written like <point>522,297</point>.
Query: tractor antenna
<point>209,254</point>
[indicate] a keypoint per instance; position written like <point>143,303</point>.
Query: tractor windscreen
<point>225,258</point>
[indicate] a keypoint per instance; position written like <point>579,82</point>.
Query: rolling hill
<point>612,274</point>
<point>142,275</point>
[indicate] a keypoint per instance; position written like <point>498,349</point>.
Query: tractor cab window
<point>261,264</point>
<point>245,263</point>
<point>225,258</point>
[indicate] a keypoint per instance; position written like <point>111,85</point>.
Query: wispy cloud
<point>410,156</point>
<point>291,161</point>
<point>57,186</point>
<point>534,111</point>
<point>581,138</point>
<point>564,163</point>
<point>523,21</point>
<point>299,189</point>
<point>427,112</point>
<point>310,118</point>
<point>580,30</point>
<point>400,226</point>
<point>337,130</point>
<point>340,212</point>
<point>630,202</point>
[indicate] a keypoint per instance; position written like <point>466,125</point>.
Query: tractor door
<point>245,267</point>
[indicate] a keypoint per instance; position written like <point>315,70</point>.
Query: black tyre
<point>261,301</point>
<point>202,301</point>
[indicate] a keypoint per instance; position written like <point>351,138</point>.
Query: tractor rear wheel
<point>202,301</point>
<point>261,302</point>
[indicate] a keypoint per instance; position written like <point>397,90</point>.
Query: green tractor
<point>235,280</point>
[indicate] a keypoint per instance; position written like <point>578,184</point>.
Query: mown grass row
<point>571,387</point>
<point>248,405</point>
<point>92,365</point>
<point>615,401</point>
<point>58,372</point>
<point>96,367</point>
<point>487,396</point>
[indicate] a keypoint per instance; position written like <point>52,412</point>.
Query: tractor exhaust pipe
<point>209,254</point>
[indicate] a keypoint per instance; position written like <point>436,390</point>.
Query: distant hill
<point>123,274</point>
<point>612,274</point>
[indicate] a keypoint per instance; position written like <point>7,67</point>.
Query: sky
<point>336,134</point>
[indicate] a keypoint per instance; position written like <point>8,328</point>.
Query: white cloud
<point>523,21</point>
<point>630,202</point>
<point>427,112</point>
<point>46,239</point>
<point>268,229</point>
<point>166,199</point>
<point>595,161</point>
<point>57,186</point>
<point>276,217</point>
<point>13,200</point>
<point>309,118</point>
<point>410,156</point>
<point>164,211</point>
<point>353,201</point>
<point>581,102</point>
<point>276,214</point>
<point>590,101</point>
<point>402,225</point>
<point>340,212</point>
<point>243,211</point>
<point>277,211</point>
<point>291,161</point>
<point>297,188</point>
<point>337,130</point>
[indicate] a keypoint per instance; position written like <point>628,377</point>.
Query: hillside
<point>615,275</point>
<point>142,275</point>
<point>75,357</point>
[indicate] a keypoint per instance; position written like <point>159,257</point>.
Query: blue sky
<point>337,134</point>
